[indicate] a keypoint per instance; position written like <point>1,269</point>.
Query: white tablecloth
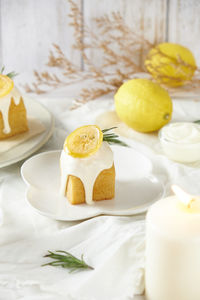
<point>114,245</point>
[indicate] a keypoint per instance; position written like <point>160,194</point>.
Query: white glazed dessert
<point>181,141</point>
<point>87,169</point>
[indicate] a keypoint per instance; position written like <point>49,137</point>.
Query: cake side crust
<point>104,187</point>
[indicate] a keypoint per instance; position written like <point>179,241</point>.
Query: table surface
<point>65,121</point>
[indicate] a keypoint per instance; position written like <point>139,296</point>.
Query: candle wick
<point>183,196</point>
<point>189,204</point>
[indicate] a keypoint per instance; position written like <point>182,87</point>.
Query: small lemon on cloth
<point>143,105</point>
<point>171,64</point>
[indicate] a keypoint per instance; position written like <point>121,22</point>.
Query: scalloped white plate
<point>28,147</point>
<point>136,187</point>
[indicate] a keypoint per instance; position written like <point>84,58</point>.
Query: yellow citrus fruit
<point>84,141</point>
<point>6,85</point>
<point>143,105</point>
<point>171,64</point>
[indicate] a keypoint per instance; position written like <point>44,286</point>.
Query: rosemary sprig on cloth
<point>198,121</point>
<point>112,138</point>
<point>66,260</point>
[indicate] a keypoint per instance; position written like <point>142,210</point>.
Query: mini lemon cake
<point>87,167</point>
<point>13,118</point>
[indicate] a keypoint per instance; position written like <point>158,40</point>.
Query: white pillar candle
<point>173,248</point>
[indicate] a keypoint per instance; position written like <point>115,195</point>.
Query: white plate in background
<point>28,147</point>
<point>136,187</point>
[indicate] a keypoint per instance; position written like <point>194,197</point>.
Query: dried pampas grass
<point>122,49</point>
<point>123,52</point>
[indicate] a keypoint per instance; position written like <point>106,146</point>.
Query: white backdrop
<point>29,27</point>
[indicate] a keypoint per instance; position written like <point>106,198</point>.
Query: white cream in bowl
<point>181,141</point>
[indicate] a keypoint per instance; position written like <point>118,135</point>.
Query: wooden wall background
<point>29,27</point>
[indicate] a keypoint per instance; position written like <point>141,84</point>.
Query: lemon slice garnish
<point>6,85</point>
<point>84,141</point>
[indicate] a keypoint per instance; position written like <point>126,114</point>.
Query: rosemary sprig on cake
<point>87,140</point>
<point>11,75</point>
<point>112,138</point>
<point>67,260</point>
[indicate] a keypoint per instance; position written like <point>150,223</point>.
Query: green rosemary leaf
<point>10,74</point>
<point>2,69</point>
<point>108,129</point>
<point>66,260</point>
<point>112,138</point>
<point>115,141</point>
<point>198,122</point>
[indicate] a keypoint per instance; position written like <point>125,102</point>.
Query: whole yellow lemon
<point>143,105</point>
<point>171,64</point>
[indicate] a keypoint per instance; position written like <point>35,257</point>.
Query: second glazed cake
<point>13,119</point>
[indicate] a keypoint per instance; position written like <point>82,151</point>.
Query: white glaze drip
<point>5,105</point>
<point>87,169</point>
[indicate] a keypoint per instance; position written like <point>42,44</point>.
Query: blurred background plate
<point>28,147</point>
